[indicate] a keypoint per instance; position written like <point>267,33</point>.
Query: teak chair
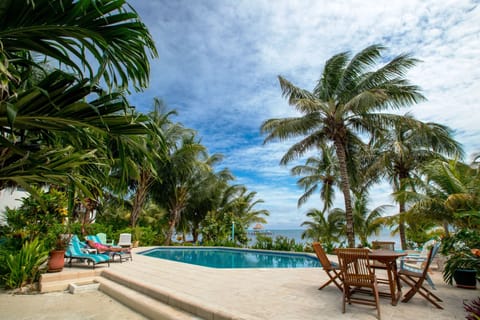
<point>385,245</point>
<point>357,274</point>
<point>416,280</point>
<point>331,269</point>
<point>382,245</point>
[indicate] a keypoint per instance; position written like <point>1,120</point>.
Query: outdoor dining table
<point>389,258</point>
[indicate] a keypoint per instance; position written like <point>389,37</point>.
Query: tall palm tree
<point>319,170</point>
<point>405,148</point>
<point>345,104</point>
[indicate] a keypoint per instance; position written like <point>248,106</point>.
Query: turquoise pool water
<point>233,258</point>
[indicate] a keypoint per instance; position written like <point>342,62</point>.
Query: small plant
<point>457,248</point>
<point>23,267</point>
<point>473,309</point>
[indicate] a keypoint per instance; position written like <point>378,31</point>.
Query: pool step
<point>190,304</point>
<point>141,303</point>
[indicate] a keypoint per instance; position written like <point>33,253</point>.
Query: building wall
<point>10,198</point>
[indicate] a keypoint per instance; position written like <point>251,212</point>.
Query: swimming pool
<point>233,258</point>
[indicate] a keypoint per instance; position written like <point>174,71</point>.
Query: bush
<point>280,243</point>
<point>23,267</point>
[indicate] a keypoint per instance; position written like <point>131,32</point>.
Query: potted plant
<point>58,241</point>
<point>462,264</point>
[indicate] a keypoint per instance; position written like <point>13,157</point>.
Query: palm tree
<point>344,105</point>
<point>326,229</point>
<point>367,222</point>
<point>319,170</point>
<point>452,193</point>
<point>405,148</point>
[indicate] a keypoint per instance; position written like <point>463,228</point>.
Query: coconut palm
<point>321,170</point>
<point>405,148</point>
<point>326,228</point>
<point>452,193</point>
<point>367,222</point>
<point>345,104</point>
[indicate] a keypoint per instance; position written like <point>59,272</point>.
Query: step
<point>59,281</point>
<point>141,303</point>
<point>190,304</point>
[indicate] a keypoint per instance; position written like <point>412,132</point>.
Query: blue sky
<point>220,59</point>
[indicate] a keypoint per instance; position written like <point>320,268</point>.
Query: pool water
<point>234,258</point>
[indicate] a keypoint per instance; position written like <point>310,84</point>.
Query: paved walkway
<point>264,293</point>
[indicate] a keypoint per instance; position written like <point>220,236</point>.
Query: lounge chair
<point>125,240</point>
<point>331,268</point>
<point>415,262</point>
<point>76,251</point>
<point>357,274</point>
<point>122,255</point>
<point>416,280</point>
<point>103,239</point>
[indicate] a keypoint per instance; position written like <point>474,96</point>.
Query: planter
<point>465,278</point>
<point>56,261</point>
<point>135,244</point>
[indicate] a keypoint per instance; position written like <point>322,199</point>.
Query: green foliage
<point>263,242</point>
<point>144,235</point>
<point>41,215</point>
<point>23,267</point>
<point>458,249</point>
<point>280,243</point>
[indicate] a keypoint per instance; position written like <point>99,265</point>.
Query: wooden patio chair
<point>417,279</point>
<point>331,269</point>
<point>357,274</point>
<point>382,245</point>
<point>385,245</point>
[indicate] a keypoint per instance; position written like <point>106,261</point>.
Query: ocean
<point>296,234</point>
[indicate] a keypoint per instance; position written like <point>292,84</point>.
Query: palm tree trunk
<point>345,184</point>
<point>401,225</point>
<point>140,196</point>
<point>401,219</point>
<point>171,226</point>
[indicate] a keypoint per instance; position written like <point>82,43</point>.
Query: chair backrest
<point>75,246</point>
<point>94,238</point>
<point>102,237</point>
<point>386,245</point>
<point>125,239</point>
<point>431,254</point>
<point>355,266</point>
<point>322,256</point>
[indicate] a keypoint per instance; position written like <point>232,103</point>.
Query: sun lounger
<point>76,251</point>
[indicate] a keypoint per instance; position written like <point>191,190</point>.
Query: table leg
<point>394,281</point>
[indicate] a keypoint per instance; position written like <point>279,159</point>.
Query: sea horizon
<point>296,234</point>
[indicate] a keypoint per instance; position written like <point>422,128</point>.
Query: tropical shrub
<point>24,267</point>
<point>263,242</point>
<point>458,248</point>
<point>281,243</point>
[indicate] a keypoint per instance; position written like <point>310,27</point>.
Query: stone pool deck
<point>161,289</point>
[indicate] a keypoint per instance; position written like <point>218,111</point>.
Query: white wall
<point>10,198</point>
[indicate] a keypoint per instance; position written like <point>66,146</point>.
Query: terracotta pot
<point>56,261</point>
<point>135,244</point>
